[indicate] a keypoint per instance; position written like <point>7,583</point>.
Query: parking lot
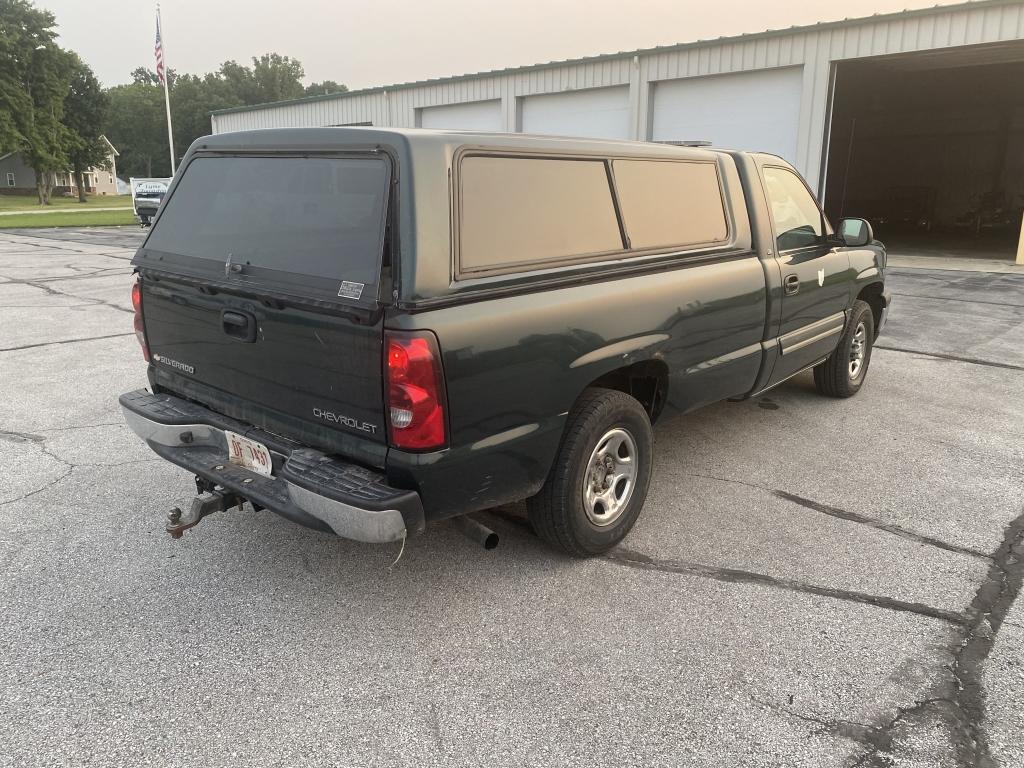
<point>813,582</point>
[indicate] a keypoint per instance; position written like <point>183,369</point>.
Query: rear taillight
<point>140,329</point>
<point>415,389</point>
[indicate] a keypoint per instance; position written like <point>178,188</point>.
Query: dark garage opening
<point>930,149</point>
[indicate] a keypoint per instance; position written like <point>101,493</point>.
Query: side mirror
<point>855,232</point>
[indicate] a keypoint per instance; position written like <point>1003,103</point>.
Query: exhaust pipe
<point>476,531</point>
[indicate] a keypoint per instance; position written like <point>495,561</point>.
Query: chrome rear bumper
<point>307,486</point>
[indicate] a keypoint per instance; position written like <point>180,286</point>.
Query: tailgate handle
<point>238,325</point>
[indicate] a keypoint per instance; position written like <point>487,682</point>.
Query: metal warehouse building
<point>914,120</point>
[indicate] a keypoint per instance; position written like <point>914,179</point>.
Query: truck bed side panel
<point>515,365</point>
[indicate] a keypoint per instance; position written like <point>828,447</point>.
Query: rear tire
<point>843,372</point>
<point>599,481</point>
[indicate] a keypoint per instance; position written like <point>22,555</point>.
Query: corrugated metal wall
<point>811,48</point>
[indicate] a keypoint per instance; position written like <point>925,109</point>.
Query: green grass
<point>26,203</point>
<point>89,219</point>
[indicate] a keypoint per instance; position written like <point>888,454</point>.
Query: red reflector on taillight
<point>140,328</point>
<point>415,390</point>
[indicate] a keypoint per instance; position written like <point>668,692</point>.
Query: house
<point>17,178</point>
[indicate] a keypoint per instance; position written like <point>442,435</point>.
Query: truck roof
<point>417,140</point>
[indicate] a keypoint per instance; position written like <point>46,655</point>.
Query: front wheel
<point>843,372</point>
<point>599,481</point>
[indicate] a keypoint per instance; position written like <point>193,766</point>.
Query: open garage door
<point>748,110</point>
<point>471,116</point>
<point>930,149</point>
<point>601,113</point>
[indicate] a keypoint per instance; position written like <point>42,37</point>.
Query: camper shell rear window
<point>312,226</point>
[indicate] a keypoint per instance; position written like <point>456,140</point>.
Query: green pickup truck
<point>370,330</point>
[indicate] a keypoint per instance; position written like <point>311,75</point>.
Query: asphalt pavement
<point>813,582</point>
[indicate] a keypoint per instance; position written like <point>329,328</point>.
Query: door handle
<point>791,284</point>
<point>238,325</point>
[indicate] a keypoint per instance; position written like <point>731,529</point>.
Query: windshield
<point>319,217</point>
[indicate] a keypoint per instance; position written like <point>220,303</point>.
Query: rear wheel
<point>599,481</point>
<point>843,372</point>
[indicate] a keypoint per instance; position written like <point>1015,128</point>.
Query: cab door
<point>814,270</point>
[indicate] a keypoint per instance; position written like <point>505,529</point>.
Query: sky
<point>363,44</point>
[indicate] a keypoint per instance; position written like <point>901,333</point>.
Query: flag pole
<point>165,78</point>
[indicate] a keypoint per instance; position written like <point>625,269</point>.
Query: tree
<point>136,125</point>
<point>239,82</point>
<point>273,77</point>
<point>324,88</point>
<point>23,28</point>
<point>277,77</point>
<point>192,100</point>
<point>144,76</point>
<point>85,112</point>
<point>48,138</point>
<point>136,122</point>
<point>34,77</point>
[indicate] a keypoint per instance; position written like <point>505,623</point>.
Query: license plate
<point>249,454</point>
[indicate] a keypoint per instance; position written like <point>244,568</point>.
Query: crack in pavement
<point>47,234</point>
<point>96,272</point>
<point>64,341</point>
<point>953,358</point>
<point>860,732</point>
<point>41,282</point>
<point>79,252</point>
<point>14,436</point>
<point>960,700</point>
<point>11,436</point>
<point>853,517</point>
<point>985,616</point>
<point>50,306</point>
<point>880,740</point>
<point>42,285</point>
<point>69,470</point>
<point>872,522</point>
<point>631,559</point>
<point>85,426</point>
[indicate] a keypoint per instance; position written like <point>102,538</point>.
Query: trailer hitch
<point>206,503</point>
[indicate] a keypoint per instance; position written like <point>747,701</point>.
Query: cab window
<point>795,215</point>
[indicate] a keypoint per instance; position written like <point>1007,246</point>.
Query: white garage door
<point>598,113</point>
<point>472,116</point>
<point>748,110</point>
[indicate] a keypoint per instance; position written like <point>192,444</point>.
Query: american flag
<point>159,51</point>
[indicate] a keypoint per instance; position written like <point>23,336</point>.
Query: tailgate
<point>260,280</point>
<point>316,367</point>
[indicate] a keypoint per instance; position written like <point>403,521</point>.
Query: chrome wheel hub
<point>610,476</point>
<point>858,350</point>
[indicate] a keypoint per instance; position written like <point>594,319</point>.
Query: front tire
<point>843,372</point>
<point>599,480</point>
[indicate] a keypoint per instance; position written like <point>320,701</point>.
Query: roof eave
<point>729,40</point>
